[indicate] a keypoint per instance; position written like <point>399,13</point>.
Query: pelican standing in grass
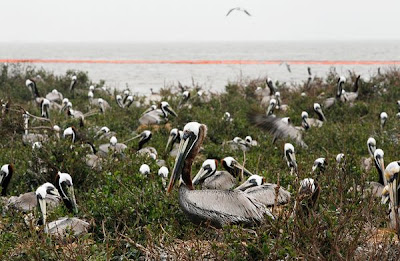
<point>392,172</point>
<point>219,207</point>
<point>367,163</point>
<point>290,158</point>
<point>352,96</point>
<point>264,192</point>
<point>73,83</point>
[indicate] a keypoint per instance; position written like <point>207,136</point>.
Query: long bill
<point>170,138</point>
<point>71,197</point>
<point>42,208</point>
<point>185,147</point>
<point>247,184</point>
<point>201,175</point>
<point>239,167</point>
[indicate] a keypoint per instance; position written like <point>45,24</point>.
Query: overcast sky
<point>197,20</point>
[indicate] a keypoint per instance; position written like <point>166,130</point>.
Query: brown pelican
<point>210,178</point>
<point>44,108</point>
<point>163,173</point>
<point>92,160</point>
<point>118,99</point>
<point>73,83</point>
<point>352,96</point>
<point>250,142</point>
<point>331,101</point>
<point>276,127</point>
<point>308,195</point>
<point>376,188</point>
<point>62,225</point>
<point>104,133</point>
<point>71,131</point>
<point>383,117</point>
<point>237,144</point>
<point>54,96</point>
<point>321,117</point>
<point>238,9</point>
<point>220,207</point>
<point>367,163</point>
<point>264,192</point>
<point>174,139</point>
<point>157,116</point>
<point>290,158</point>
<point>319,165</point>
<point>391,174</point>
<point>113,146</point>
<point>144,169</point>
<point>65,188</point>
<point>31,85</point>
<point>267,96</point>
<point>227,117</point>
<point>30,138</point>
<point>6,173</point>
<point>271,107</point>
<point>103,105</point>
<point>279,105</point>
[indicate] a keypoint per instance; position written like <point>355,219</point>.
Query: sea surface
<point>141,77</point>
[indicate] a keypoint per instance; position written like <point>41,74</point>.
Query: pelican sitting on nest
<point>62,225</point>
<point>54,96</point>
<point>92,160</point>
<point>174,139</point>
<point>157,116</point>
<point>113,146</point>
<point>220,207</point>
<point>104,133</point>
<point>276,127</point>
<point>265,192</point>
<point>210,178</point>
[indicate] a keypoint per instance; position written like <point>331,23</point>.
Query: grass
<point>132,217</point>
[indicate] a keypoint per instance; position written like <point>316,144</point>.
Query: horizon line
<point>199,62</point>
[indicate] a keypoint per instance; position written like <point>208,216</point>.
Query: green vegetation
<point>131,216</point>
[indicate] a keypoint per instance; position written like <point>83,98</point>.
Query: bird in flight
<point>238,9</point>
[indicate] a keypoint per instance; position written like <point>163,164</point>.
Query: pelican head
<point>54,91</point>
<point>340,83</point>
<point>234,167</point>
<point>144,136</point>
<point>318,111</point>
<point>70,131</point>
<point>248,140</point>
<point>319,164</point>
<point>56,128</point>
<point>66,190</point>
<point>152,108</point>
<point>286,120</point>
<point>101,104</point>
<point>105,129</point>
<point>308,186</point>
<point>383,116</point>
<point>45,108</point>
<point>167,109</point>
<point>270,85</point>
<point>74,78</point>
<point>193,136</point>
<point>340,158</point>
<point>227,116</point>
<point>113,141</point>
<point>379,162</point>
<point>271,107</point>
<point>44,191</point>
<point>172,138</point>
<point>163,172</point>
<point>290,156</point>
<point>144,169</point>
<point>36,145</point>
<point>208,168</point>
<point>186,95</point>
<point>126,93</point>
<point>371,144</point>
<point>91,88</point>
<point>304,117</point>
<point>6,173</point>
<point>252,181</point>
<point>90,94</point>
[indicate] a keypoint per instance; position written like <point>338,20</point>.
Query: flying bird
<point>238,9</point>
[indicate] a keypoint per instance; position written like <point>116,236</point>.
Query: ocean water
<point>141,77</point>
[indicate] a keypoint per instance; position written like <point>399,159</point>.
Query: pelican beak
<point>185,146</point>
<point>170,138</point>
<point>314,167</point>
<point>102,109</point>
<point>305,123</point>
<point>170,110</point>
<point>270,109</point>
<point>2,176</point>
<point>247,184</point>
<point>71,197</point>
<point>202,175</point>
<point>381,164</point>
<point>42,208</point>
<point>240,168</point>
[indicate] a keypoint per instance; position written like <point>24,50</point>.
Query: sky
<point>197,20</point>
